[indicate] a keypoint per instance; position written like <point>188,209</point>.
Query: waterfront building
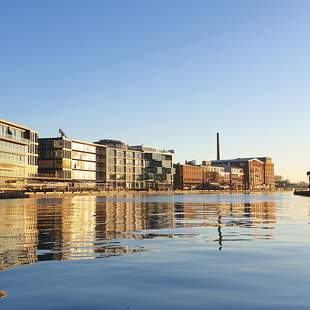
<point>236,176</point>
<point>207,176</point>
<point>187,176</point>
<point>112,164</point>
<point>158,172</point>
<point>258,171</point>
<point>85,161</point>
<point>18,152</point>
<point>55,157</point>
<point>124,165</point>
<point>72,160</point>
<point>215,176</point>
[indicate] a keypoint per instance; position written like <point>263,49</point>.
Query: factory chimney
<point>218,146</point>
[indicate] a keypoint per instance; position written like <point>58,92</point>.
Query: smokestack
<point>218,146</point>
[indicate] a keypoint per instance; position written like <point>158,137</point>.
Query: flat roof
<point>238,160</point>
<point>152,149</point>
<point>74,140</point>
<point>17,125</point>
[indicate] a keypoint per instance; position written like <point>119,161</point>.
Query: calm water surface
<point>156,252</point>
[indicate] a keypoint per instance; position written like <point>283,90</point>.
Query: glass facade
<point>158,170</point>
<point>55,157</point>
<point>18,151</point>
<point>77,160</point>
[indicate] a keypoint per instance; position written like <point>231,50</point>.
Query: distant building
<point>258,171</point>
<point>236,177</point>
<point>215,176</point>
<point>18,152</point>
<point>187,176</point>
<point>208,176</point>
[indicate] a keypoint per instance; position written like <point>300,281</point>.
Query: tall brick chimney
<point>218,146</point>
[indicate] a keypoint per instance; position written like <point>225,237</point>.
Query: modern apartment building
<point>158,173</point>
<point>110,163</point>
<point>55,158</point>
<point>18,152</point>
<point>125,165</point>
<point>72,160</point>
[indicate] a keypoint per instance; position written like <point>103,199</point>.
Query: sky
<point>165,73</point>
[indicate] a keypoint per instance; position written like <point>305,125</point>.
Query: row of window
<point>12,147</point>
<point>83,147</point>
<point>121,169</point>
<point>54,154</point>
<point>83,156</point>
<point>83,175</point>
<point>14,133</point>
<point>14,172</point>
<point>123,177</point>
<point>55,173</point>
<point>13,159</point>
<point>124,154</point>
<point>50,144</point>
<point>83,165</point>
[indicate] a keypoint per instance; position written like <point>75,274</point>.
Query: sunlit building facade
<point>18,152</point>
<point>55,157</point>
<point>70,159</point>
<point>124,165</point>
<point>187,176</point>
<point>258,171</point>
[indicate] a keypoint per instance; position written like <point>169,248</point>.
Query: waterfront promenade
<point>25,194</point>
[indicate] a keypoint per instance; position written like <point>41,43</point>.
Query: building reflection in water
<point>84,227</point>
<point>18,233</point>
<point>260,217</point>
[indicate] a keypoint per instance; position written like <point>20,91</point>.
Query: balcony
<point>14,138</point>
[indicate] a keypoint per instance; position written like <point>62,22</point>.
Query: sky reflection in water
<point>208,245</point>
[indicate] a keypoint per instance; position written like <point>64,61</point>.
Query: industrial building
<point>207,176</point>
<point>187,176</point>
<point>258,171</point>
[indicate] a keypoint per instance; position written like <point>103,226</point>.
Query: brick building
<point>187,176</point>
<point>258,171</point>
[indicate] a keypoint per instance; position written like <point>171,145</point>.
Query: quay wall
<point>24,194</point>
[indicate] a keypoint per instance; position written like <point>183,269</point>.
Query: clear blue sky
<point>167,73</point>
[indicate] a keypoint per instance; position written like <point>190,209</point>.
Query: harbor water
<point>155,252</point>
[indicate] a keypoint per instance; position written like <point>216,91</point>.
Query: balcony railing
<point>14,138</point>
